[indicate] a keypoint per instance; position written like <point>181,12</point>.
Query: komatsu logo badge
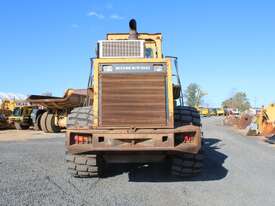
<point>133,68</point>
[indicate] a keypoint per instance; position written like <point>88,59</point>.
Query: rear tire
<point>80,118</point>
<point>50,124</point>
<point>187,115</point>
<point>187,165</point>
<point>83,165</point>
<point>102,166</point>
<point>19,126</point>
<point>43,122</point>
<point>37,125</point>
<point>86,165</point>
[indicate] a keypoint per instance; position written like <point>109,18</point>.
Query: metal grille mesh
<point>136,100</point>
<point>121,48</point>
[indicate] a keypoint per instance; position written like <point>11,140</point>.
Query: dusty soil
<point>238,170</point>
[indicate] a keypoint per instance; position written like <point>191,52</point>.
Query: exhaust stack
<point>133,34</point>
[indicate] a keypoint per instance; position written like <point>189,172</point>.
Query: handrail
<point>178,78</point>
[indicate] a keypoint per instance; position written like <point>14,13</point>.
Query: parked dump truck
<point>51,117</point>
<point>137,115</point>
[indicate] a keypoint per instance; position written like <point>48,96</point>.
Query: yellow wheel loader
<point>137,115</point>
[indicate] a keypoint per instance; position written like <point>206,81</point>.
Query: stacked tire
<point>186,164</point>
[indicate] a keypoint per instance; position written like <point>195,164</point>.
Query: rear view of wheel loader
<point>137,115</point>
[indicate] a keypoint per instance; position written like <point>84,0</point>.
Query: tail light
<point>185,137</point>
<point>81,139</point>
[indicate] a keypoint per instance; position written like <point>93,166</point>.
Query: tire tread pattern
<point>43,122</point>
<point>83,166</point>
<point>185,115</point>
<point>187,165</point>
<point>80,117</point>
<point>50,124</point>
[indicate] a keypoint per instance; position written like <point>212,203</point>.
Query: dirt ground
<point>238,171</point>
<point>23,135</point>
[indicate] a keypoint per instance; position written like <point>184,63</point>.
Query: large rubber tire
<point>50,124</point>
<point>187,115</point>
<point>187,165</point>
<point>85,165</point>
<point>43,122</point>
<point>80,118</point>
<point>37,125</point>
<point>19,126</point>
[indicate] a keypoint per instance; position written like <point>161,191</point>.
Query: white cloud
<point>98,15</point>
<point>75,25</point>
<point>116,17</point>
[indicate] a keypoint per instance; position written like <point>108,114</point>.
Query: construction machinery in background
<point>212,112</point>
<point>6,109</point>
<point>266,121</point>
<point>204,111</point>
<point>8,105</point>
<point>21,117</point>
<point>4,124</point>
<point>254,121</point>
<point>51,113</point>
<point>220,112</point>
<point>208,112</point>
<point>137,113</point>
<point>240,121</point>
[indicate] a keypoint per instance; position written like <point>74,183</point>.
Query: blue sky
<point>225,46</point>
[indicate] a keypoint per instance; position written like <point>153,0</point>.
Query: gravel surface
<point>239,171</point>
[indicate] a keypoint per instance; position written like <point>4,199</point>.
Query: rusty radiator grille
<point>121,48</point>
<point>133,100</point>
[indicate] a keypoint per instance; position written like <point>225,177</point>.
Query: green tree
<point>239,101</point>
<point>194,95</point>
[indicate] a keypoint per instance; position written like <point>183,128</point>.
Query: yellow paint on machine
<point>98,62</point>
